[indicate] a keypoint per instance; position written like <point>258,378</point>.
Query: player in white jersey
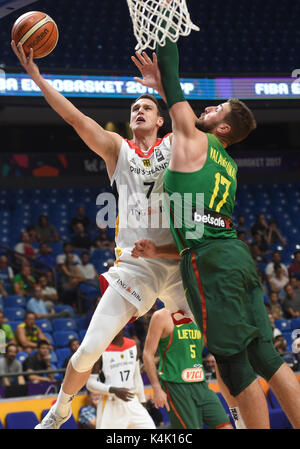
<point>116,375</point>
<point>160,278</point>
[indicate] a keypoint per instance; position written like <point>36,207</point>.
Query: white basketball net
<point>155,20</point>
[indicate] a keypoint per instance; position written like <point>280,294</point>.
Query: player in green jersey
<point>220,278</point>
<point>180,383</point>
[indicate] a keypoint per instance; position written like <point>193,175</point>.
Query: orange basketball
<point>35,30</point>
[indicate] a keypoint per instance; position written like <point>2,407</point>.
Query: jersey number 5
<point>224,181</point>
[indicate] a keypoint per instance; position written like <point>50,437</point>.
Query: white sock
<point>238,419</point>
<point>63,403</point>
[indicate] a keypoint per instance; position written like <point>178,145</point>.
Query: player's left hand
<point>144,248</point>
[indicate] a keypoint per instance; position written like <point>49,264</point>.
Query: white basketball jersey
<point>118,364</point>
<point>139,181</point>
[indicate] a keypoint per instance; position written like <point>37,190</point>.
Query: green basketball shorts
<point>194,404</point>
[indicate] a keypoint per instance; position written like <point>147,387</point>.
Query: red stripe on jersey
<point>128,343</point>
<point>202,295</point>
<point>103,284</point>
<point>149,152</point>
<point>183,320</point>
<point>165,351</point>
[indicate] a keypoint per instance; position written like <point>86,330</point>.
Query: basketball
<point>35,30</point>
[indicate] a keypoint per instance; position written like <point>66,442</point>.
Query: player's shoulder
<point>161,316</point>
<point>127,344</point>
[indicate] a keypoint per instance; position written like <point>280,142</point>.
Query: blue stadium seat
<point>14,313</point>
<point>14,325</point>
<point>50,338</point>
<point>1,425</point>
<point>82,323</point>
<point>21,356</point>
<point>21,420</point>
<point>64,324</point>
<point>63,307</point>
<point>62,353</point>
<point>82,333</point>
<point>53,358</point>
<point>62,338</point>
<point>295,323</point>
<point>44,324</point>
<point>282,324</point>
<point>15,301</point>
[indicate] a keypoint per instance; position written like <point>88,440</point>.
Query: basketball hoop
<point>155,20</point>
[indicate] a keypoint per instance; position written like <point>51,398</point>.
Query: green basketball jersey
<point>181,355</point>
<point>199,204</point>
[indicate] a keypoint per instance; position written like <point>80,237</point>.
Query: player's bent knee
<point>83,360</point>
<point>236,372</point>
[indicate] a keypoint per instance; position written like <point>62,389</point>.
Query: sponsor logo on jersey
<point>131,354</point>
<point>147,163</point>
<point>159,156</point>
<point>192,375</point>
<point>133,161</point>
<point>128,289</point>
<point>152,171</point>
<point>209,220</point>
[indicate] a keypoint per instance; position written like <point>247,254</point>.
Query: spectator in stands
<point>9,364</point>
<point>273,235</point>
<point>61,258</point>
<point>294,268</point>
<point>86,268</point>
<point>23,282</point>
<point>28,333</point>
<point>259,247</point>
<point>242,236</point>
<point>46,231</point>
<point>280,344</point>
<point>42,309</point>
<point>73,345</point>
<point>88,413</point>
<point>9,335</point>
<point>6,272</point>
<point>275,330</point>
<point>209,363</point>
<point>241,226</point>
<point>295,281</point>
<point>71,275</point>
<point>80,218</point>
<point>24,247</point>
<point>80,240</point>
<point>275,307</point>
<point>40,360</point>
<point>291,304</point>
<point>49,292</point>
<point>276,259</point>
<point>260,225</point>
<point>45,257</point>
<point>33,235</point>
<point>3,292</point>
<point>279,279</point>
<point>102,239</point>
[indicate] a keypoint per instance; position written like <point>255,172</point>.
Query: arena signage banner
<point>12,84</point>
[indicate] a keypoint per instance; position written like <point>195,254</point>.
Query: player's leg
<point>231,401</point>
<point>111,315</point>
<point>238,375</point>
<point>213,412</point>
<point>281,378</point>
<point>139,417</point>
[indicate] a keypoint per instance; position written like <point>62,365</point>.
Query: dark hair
<point>152,98</point>
<point>276,266</point>
<point>85,252</point>
<point>72,341</point>
<point>29,313</point>
<point>41,343</point>
<point>40,219</point>
<point>11,344</point>
<point>241,121</point>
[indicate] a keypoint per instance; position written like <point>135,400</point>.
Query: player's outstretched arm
<point>104,143</point>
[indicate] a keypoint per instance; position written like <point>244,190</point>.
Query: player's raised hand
<point>149,70</point>
<point>26,61</point>
<point>144,248</point>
